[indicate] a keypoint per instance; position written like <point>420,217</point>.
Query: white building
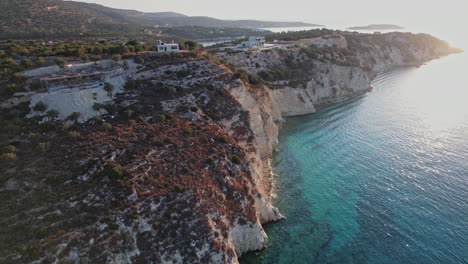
<point>163,47</point>
<point>253,42</point>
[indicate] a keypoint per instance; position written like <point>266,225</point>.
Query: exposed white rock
<point>293,102</point>
<point>82,99</point>
<point>248,237</point>
<point>264,118</point>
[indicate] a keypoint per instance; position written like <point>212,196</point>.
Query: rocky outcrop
<point>331,83</point>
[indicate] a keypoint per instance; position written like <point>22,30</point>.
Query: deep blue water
<point>379,179</point>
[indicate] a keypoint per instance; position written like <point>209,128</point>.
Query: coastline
<point>193,174</point>
<point>269,184</point>
<point>310,170</point>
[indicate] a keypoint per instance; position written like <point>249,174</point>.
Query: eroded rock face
<point>163,189</point>
<point>331,69</point>
<point>175,191</point>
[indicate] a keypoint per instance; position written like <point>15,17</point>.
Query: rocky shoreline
<point>178,169</point>
<point>330,83</point>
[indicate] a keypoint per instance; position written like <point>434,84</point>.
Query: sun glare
<point>441,101</point>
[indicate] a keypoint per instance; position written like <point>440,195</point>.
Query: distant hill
<point>202,21</point>
<point>57,18</point>
<point>33,18</point>
<point>165,14</point>
<point>377,27</point>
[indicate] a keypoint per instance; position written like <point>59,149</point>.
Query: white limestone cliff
<point>328,83</point>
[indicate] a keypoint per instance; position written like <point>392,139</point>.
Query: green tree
<point>43,146</point>
<point>40,62</point>
<point>8,156</point>
<point>132,42</point>
<point>139,60</point>
<point>117,57</point>
<point>97,50</point>
<point>74,116</point>
<point>15,48</point>
<point>106,126</point>
<point>60,62</point>
<point>9,149</point>
<point>109,88</point>
<point>182,46</point>
<point>98,106</point>
<point>96,58</point>
<point>191,45</point>
<point>18,78</point>
<point>9,63</point>
<point>130,85</point>
<point>124,49</point>
<point>40,107</point>
<point>81,52</point>
<point>35,85</point>
<point>84,58</point>
<point>11,89</point>
<point>53,114</point>
<point>74,134</point>
<point>26,63</point>
<point>129,113</point>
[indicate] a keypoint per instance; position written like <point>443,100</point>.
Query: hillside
<point>27,18</point>
<point>213,22</point>
<point>57,18</point>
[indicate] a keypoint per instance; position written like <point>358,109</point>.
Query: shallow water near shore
<point>382,178</point>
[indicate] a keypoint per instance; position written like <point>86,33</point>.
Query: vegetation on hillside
<point>297,35</point>
<point>21,19</point>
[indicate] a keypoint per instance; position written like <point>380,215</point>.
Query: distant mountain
<point>377,27</point>
<point>165,14</point>
<point>57,18</point>
<point>203,21</point>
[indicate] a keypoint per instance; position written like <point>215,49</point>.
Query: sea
<point>379,179</point>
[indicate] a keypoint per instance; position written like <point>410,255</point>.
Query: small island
<point>377,27</point>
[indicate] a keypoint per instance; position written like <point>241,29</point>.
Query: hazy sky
<point>422,15</point>
<point>317,11</point>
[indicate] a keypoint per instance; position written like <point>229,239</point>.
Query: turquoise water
<point>379,179</point>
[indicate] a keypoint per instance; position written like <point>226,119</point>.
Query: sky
<point>447,16</point>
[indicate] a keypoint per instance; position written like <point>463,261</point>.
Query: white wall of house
<point>163,47</point>
<point>253,42</point>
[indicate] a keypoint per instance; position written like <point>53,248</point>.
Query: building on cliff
<point>163,47</point>
<point>252,42</point>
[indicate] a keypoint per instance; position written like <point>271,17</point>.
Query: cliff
<point>333,68</point>
<point>314,72</point>
<point>177,170</point>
